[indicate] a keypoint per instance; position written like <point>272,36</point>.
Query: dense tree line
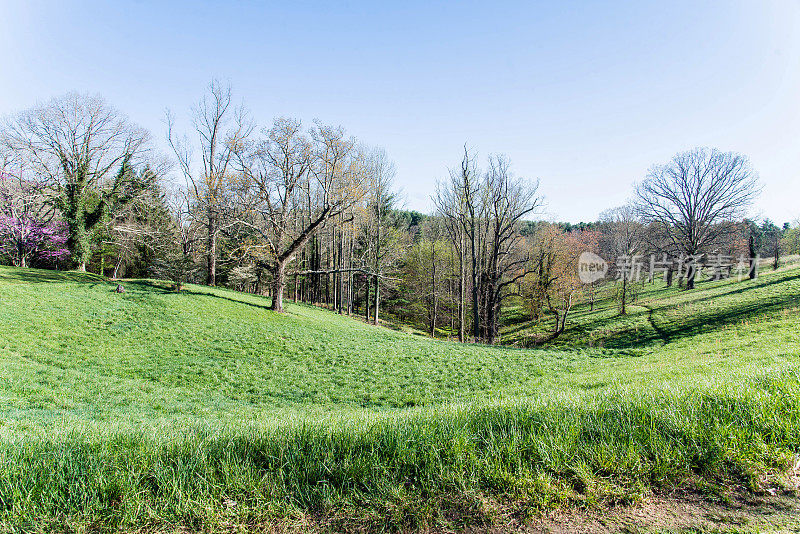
<point>311,214</point>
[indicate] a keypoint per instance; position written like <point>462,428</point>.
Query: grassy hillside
<point>663,315</point>
<point>204,410</point>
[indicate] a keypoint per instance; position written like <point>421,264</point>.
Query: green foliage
<point>791,240</point>
<point>406,220</point>
<point>152,409</point>
<point>174,265</point>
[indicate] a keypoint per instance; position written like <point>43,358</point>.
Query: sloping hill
<point>661,315</point>
<point>204,410</point>
<point>82,351</point>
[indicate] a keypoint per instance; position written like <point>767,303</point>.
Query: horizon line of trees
<point>311,214</point>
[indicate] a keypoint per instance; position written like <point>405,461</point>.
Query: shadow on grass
<point>737,301</point>
<point>618,335</point>
<point>223,297</point>
<point>712,320</point>
<point>731,311</point>
<point>141,285</point>
<point>45,276</point>
<point>737,288</point>
<point>132,286</point>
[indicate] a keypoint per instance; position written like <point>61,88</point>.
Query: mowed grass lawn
<point>204,410</point>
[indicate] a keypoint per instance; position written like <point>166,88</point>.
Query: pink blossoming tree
<point>29,234</point>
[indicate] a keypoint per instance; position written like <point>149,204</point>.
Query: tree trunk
<point>278,286</point>
<point>461,307</point>
<point>377,260</point>
<point>366,297</point>
<point>350,294</point>
<point>751,242</point>
<point>560,319</point>
<point>433,288</point>
<point>340,275</point>
<point>328,277</point>
<point>476,323</point>
<point>351,277</point>
<point>623,311</point>
<point>491,312</point>
<point>377,304</point>
<point>567,308</point>
<point>461,293</point>
<point>211,268</point>
<point>433,315</point>
<point>78,242</point>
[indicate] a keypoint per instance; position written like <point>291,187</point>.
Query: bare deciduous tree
<point>693,194</point>
<point>488,211</point>
<point>381,200</point>
<point>622,239</point>
<point>509,200</point>
<point>222,133</point>
<point>452,206</point>
<point>298,182</point>
<point>461,203</point>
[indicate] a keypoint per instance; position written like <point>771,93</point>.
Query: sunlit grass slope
<point>75,349</point>
<point>663,315</point>
<point>204,410</point>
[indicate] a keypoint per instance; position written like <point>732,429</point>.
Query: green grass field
<point>156,411</point>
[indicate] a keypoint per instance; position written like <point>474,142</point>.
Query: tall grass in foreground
<point>403,468</point>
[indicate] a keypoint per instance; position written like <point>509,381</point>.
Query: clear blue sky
<point>583,95</point>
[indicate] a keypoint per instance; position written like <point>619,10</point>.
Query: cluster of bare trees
<point>221,131</point>
<point>286,198</point>
<point>482,212</point>
<point>359,248</point>
<point>309,213</point>
<point>265,204</point>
